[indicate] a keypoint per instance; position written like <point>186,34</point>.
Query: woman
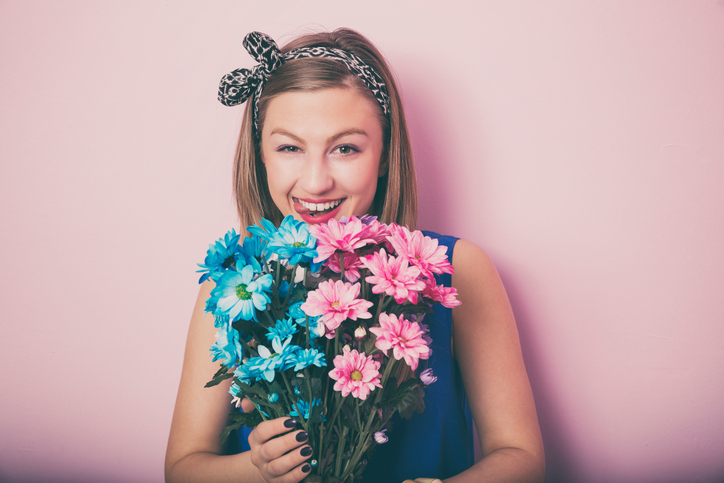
<point>324,136</point>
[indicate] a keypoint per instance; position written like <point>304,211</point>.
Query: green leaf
<point>408,398</point>
<point>217,379</point>
<point>239,419</point>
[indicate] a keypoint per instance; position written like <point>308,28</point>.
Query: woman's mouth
<point>317,211</point>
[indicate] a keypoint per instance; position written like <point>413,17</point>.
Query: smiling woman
<point>324,137</point>
<point>322,150</point>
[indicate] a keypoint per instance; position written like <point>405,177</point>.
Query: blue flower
<point>296,313</point>
<point>292,241</point>
<point>283,329</point>
<point>247,373</point>
<point>307,357</point>
<point>253,250</point>
<point>221,256</point>
<point>235,390</point>
<point>268,363</point>
<point>237,294</point>
<point>304,408</point>
<point>227,347</point>
<point>264,230</point>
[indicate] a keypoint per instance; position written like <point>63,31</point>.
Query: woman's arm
<point>487,350</point>
<point>194,451</point>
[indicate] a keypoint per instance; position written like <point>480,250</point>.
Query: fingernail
<point>306,468</point>
<point>290,423</point>
<point>306,451</point>
<point>301,437</point>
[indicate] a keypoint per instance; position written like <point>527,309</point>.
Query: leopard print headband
<point>239,85</point>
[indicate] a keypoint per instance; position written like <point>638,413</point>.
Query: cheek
<point>363,181</point>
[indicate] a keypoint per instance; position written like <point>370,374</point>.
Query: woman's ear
<point>384,165</point>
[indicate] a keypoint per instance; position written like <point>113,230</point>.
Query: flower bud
<point>381,437</point>
<point>346,348</point>
<point>273,397</point>
<point>427,377</point>
<point>360,333</point>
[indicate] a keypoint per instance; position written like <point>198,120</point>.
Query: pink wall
<point>580,143</point>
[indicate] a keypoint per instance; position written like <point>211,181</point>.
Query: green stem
<point>295,402</point>
<point>272,322</point>
<point>340,451</point>
<point>383,298</point>
<point>291,285</point>
<point>365,431</point>
<point>341,266</point>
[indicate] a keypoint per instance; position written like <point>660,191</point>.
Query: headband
<point>240,84</point>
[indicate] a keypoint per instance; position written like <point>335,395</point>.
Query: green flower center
<point>297,244</point>
<point>356,376</point>
<point>242,293</point>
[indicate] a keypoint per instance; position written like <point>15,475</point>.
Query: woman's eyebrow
<point>285,133</point>
<point>346,133</point>
<point>330,140</point>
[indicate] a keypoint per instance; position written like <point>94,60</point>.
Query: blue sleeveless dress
<point>439,442</point>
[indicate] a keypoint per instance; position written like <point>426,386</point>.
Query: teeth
<point>319,206</point>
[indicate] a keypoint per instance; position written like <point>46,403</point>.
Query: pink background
<point>580,143</point>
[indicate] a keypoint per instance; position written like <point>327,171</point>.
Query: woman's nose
<point>316,177</point>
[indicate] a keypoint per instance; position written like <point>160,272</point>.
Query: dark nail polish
<point>301,437</point>
<point>290,423</point>
<point>306,451</point>
<point>306,468</point>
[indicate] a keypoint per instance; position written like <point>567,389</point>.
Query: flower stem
<point>295,402</point>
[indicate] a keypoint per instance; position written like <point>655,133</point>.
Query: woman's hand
<point>424,480</point>
<point>279,454</point>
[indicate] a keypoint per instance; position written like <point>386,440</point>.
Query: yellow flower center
<point>335,304</point>
<point>242,293</point>
<point>356,376</point>
<point>297,244</point>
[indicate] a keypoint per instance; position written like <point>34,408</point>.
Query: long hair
<point>396,196</point>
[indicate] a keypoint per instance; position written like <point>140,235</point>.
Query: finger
<point>427,480</point>
<point>246,405</point>
<point>267,430</point>
<point>277,448</point>
<point>293,462</point>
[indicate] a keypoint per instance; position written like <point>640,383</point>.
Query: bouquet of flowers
<point>323,323</point>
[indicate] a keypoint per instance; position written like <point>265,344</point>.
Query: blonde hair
<point>396,196</point>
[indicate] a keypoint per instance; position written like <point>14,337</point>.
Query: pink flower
<point>447,296</point>
<point>336,302</point>
<point>355,373</point>
<point>351,265</point>
<point>393,276</point>
<point>403,337</point>
<point>420,250</point>
<point>333,236</point>
<point>378,231</point>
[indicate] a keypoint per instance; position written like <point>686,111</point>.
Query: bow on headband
<point>238,85</point>
<point>241,84</point>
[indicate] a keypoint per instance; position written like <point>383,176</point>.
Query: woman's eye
<point>345,149</point>
<point>288,149</point>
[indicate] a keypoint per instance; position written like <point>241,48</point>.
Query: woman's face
<point>322,151</point>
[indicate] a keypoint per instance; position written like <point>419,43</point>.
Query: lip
<point>315,220</point>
